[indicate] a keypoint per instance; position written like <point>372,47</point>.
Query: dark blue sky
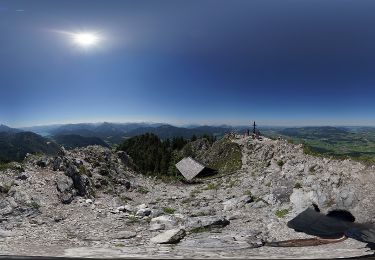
<point>197,61</point>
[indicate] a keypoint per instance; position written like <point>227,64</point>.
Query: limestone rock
<point>235,203</point>
<point>66,197</point>
<point>166,220</point>
<point>171,236</point>
<point>156,227</point>
<point>64,183</point>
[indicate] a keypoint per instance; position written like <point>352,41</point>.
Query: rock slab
<point>171,236</point>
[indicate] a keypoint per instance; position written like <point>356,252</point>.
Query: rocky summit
<point>89,202</point>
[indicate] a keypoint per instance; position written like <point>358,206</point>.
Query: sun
<point>85,39</point>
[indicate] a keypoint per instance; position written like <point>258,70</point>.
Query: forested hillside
<point>15,146</point>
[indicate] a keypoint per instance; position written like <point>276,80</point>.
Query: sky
<point>308,62</point>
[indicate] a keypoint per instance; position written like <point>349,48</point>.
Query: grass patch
<point>169,210</point>
<point>171,178</point>
<point>11,166</point>
<point>143,190</point>
<point>226,156</point>
<point>281,213</point>
<point>212,186</point>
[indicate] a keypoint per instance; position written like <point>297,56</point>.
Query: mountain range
<point>115,133</point>
<point>344,141</point>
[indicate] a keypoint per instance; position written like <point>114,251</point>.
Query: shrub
<point>298,185</point>
<point>4,166</point>
<point>280,163</point>
<point>169,210</point>
<point>82,170</point>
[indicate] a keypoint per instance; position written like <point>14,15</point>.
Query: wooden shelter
<point>191,168</point>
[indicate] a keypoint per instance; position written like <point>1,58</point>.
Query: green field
<point>343,142</point>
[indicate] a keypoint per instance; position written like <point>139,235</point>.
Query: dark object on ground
<point>317,224</point>
<point>333,225</point>
<point>331,228</point>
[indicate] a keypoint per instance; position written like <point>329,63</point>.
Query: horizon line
<point>196,124</point>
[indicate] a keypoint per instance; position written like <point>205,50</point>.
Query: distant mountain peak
<point>7,129</point>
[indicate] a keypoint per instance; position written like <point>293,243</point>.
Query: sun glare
<point>86,39</point>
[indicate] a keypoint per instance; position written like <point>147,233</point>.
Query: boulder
<point>66,197</point>
<point>57,164</point>
<point>237,202</point>
<point>156,213</point>
<point>300,200</point>
<point>171,236</point>
<point>347,198</point>
<point>71,170</point>
<point>82,184</point>
<point>156,227</point>
<point>143,212</point>
<point>42,162</point>
<point>64,183</point>
<point>23,176</point>
<point>124,158</point>
<point>7,206</point>
<point>129,208</point>
<point>121,208</point>
<point>166,220</point>
<point>20,196</point>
